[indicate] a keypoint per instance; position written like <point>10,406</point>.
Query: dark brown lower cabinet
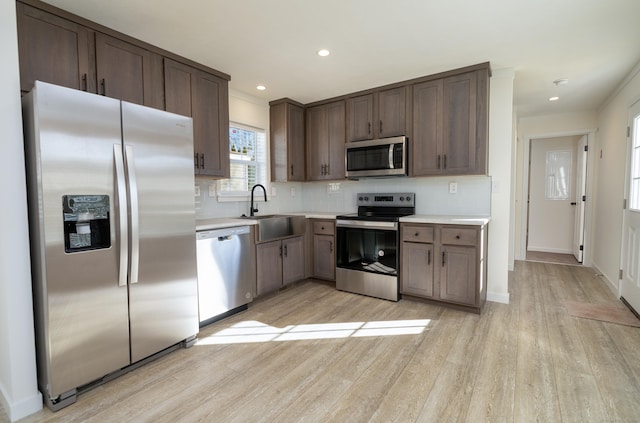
<point>279,263</point>
<point>324,253</point>
<point>444,263</point>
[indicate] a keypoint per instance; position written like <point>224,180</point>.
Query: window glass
<point>248,160</point>
<point>558,175</point>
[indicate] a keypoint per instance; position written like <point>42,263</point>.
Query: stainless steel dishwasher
<point>226,272</point>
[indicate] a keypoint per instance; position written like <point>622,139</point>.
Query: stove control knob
<point>366,198</point>
<point>408,198</point>
<point>360,198</point>
<point>401,198</point>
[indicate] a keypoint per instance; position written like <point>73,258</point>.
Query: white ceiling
<point>593,43</point>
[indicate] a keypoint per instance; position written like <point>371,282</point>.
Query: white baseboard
<point>498,297</point>
<point>550,250</point>
<point>612,286</point>
<point>23,408</point>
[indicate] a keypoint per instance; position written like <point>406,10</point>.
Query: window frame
<point>239,196</point>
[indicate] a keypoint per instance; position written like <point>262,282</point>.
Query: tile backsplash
<point>473,196</point>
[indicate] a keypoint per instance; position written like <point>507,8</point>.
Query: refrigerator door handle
<point>121,190</point>
<point>133,209</point>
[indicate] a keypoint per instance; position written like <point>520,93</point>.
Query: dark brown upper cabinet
<point>360,118</point>
<point>61,48</point>
<point>205,98</point>
<point>287,127</point>
<point>450,121</point>
<point>54,50</point>
<point>392,114</point>
<point>128,72</point>
<point>325,126</point>
<point>377,115</point>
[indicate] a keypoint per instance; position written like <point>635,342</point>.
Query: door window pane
<point>558,175</point>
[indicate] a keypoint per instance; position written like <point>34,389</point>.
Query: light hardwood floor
<point>525,362</point>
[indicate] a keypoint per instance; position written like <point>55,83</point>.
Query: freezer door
<point>163,296</point>
<point>81,311</point>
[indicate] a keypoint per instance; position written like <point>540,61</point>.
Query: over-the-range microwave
<point>376,158</point>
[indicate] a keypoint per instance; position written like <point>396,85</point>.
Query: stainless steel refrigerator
<point>112,226</point>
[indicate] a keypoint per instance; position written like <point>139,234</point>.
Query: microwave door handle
<point>391,156</point>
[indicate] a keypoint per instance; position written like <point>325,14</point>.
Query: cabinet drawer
<point>417,233</point>
<point>459,236</point>
<point>323,228</point>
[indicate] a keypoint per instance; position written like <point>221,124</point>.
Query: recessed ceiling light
<point>323,52</point>
<point>554,98</point>
<point>261,87</point>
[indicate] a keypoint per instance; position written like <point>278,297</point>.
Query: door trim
<point>524,205</point>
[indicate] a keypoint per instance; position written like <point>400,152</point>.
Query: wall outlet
<point>197,190</point>
<point>333,188</point>
<point>453,187</point>
<point>212,190</point>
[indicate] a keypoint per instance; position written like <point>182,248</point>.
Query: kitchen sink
<point>277,226</point>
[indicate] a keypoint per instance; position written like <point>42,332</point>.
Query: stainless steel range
<point>367,244</point>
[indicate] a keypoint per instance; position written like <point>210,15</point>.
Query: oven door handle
<point>385,226</point>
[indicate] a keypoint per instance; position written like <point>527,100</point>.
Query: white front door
<point>630,255</point>
<point>580,198</point>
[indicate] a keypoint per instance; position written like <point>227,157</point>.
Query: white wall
<point>545,127</point>
<point>18,385</point>
<point>551,221</point>
<point>500,168</point>
<point>611,156</point>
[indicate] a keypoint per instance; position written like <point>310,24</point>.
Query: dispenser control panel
<point>86,222</point>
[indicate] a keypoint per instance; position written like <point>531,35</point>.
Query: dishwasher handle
<point>224,234</point>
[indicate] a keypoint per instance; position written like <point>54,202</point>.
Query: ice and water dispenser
<point>86,222</point>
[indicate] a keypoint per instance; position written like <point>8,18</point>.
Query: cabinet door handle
<point>429,257</point>
<point>103,87</point>
<point>84,82</point>
<point>438,161</point>
<point>443,261</point>
<point>445,162</point>
<point>369,130</point>
<point>331,246</point>
<point>326,169</point>
<point>380,127</point>
<point>416,234</point>
<point>202,161</point>
<point>195,160</point>
<point>291,170</point>
<point>285,250</point>
<point>457,236</point>
<point>281,251</point>
<point>322,227</point>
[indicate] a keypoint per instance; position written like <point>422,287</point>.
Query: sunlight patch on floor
<point>252,331</point>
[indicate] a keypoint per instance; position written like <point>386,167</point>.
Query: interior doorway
<point>554,195</point>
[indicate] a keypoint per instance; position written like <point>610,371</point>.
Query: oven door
<point>367,258</point>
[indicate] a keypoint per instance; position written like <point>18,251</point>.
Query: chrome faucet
<point>253,210</point>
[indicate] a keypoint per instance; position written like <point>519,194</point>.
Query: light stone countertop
<point>446,220</point>
<point>229,222</point>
